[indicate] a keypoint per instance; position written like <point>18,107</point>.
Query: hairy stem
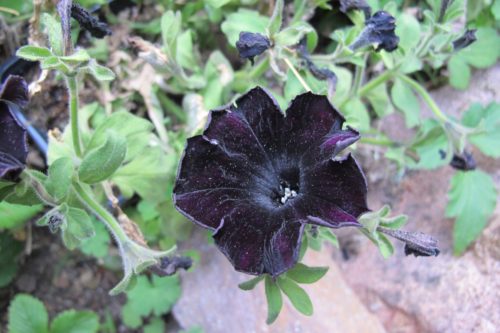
<point>73,113</point>
<point>103,215</point>
<point>426,97</point>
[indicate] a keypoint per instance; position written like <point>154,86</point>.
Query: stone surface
<point>212,300</point>
<point>443,294</point>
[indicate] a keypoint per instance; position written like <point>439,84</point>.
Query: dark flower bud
<point>468,38</point>
<point>64,10</point>
<point>13,147</point>
<point>464,162</point>
<point>252,44</point>
<point>88,22</point>
<point>169,266</point>
<point>323,74</point>
<point>379,31</point>
<point>416,243</point>
<point>348,5</point>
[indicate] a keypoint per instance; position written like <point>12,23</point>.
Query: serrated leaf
<point>59,177</point>
<point>487,120</point>
<point>472,200</point>
<point>72,321</point>
<point>33,53</point>
<point>274,300</point>
<point>301,273</point>
<point>102,162</point>
<point>155,296</point>
<point>27,315</point>
<point>250,284</point>
<point>297,296</point>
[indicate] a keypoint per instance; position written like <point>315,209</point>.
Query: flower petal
<point>339,182</point>
<point>311,121</point>
<point>211,179</point>
<point>12,135</point>
<point>15,90</point>
<point>263,116</point>
<point>315,210</point>
<point>257,242</point>
<point>10,168</point>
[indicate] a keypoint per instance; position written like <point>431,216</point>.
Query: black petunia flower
<point>13,148</point>
<point>256,177</point>
<point>252,44</point>
<point>380,31</point>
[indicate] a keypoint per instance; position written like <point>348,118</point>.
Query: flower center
<point>289,186</point>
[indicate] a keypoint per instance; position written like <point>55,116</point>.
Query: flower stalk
<point>73,113</point>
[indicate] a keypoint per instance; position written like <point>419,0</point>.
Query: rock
<point>443,294</point>
<point>212,300</point>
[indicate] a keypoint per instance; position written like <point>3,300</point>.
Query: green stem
<point>377,141</point>
<point>374,83</point>
<point>297,74</point>
<point>101,212</point>
<point>426,97</point>
<point>260,68</point>
<point>73,113</point>
<point>358,77</point>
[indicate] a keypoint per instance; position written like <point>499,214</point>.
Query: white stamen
<point>288,194</point>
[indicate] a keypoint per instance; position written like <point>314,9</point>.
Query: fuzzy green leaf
<point>53,30</point>
<point>472,200</point>
<point>100,73</point>
<point>27,315</point>
<point>276,20</point>
<point>274,300</point>
<point>14,215</point>
<point>301,273</point>
<point>487,120</point>
<point>299,298</point>
<point>33,53</point>
<point>59,177</point>
<point>243,20</point>
<point>100,163</point>
<point>406,102</point>
<point>250,284</point>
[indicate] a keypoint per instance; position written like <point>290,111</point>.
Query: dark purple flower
<point>252,44</point>
<point>348,5</point>
<point>88,22</point>
<point>380,31</point>
<point>257,176</point>
<point>13,148</point>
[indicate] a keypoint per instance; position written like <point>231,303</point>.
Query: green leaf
<point>98,245</point>
<point>299,298</point>
<point>170,29</point>
<point>301,273</point>
<point>59,178</point>
<point>250,284</point>
<point>487,121</point>
<point>243,20</point>
<point>356,114</point>
<point>380,101</point>
<point>217,3</point>
<point>184,52</point>
<point>406,101</point>
<point>459,73</point>
<point>472,200</point>
<point>274,300</point>
<point>100,73</point>
<point>485,51</point>
<point>72,321</point>
<point>327,235</point>
<point>78,228</point>
<point>13,215</point>
<point>384,245</point>
<point>80,56</point>
<point>9,250</point>
<point>53,29</point>
<point>495,9</point>
<point>27,315</point>
<point>155,296</point>
<point>430,140</point>
<point>408,31</point>
<point>276,20</point>
<point>102,162</point>
<point>156,325</point>
<point>33,53</point>
<point>135,129</point>
<point>292,34</point>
